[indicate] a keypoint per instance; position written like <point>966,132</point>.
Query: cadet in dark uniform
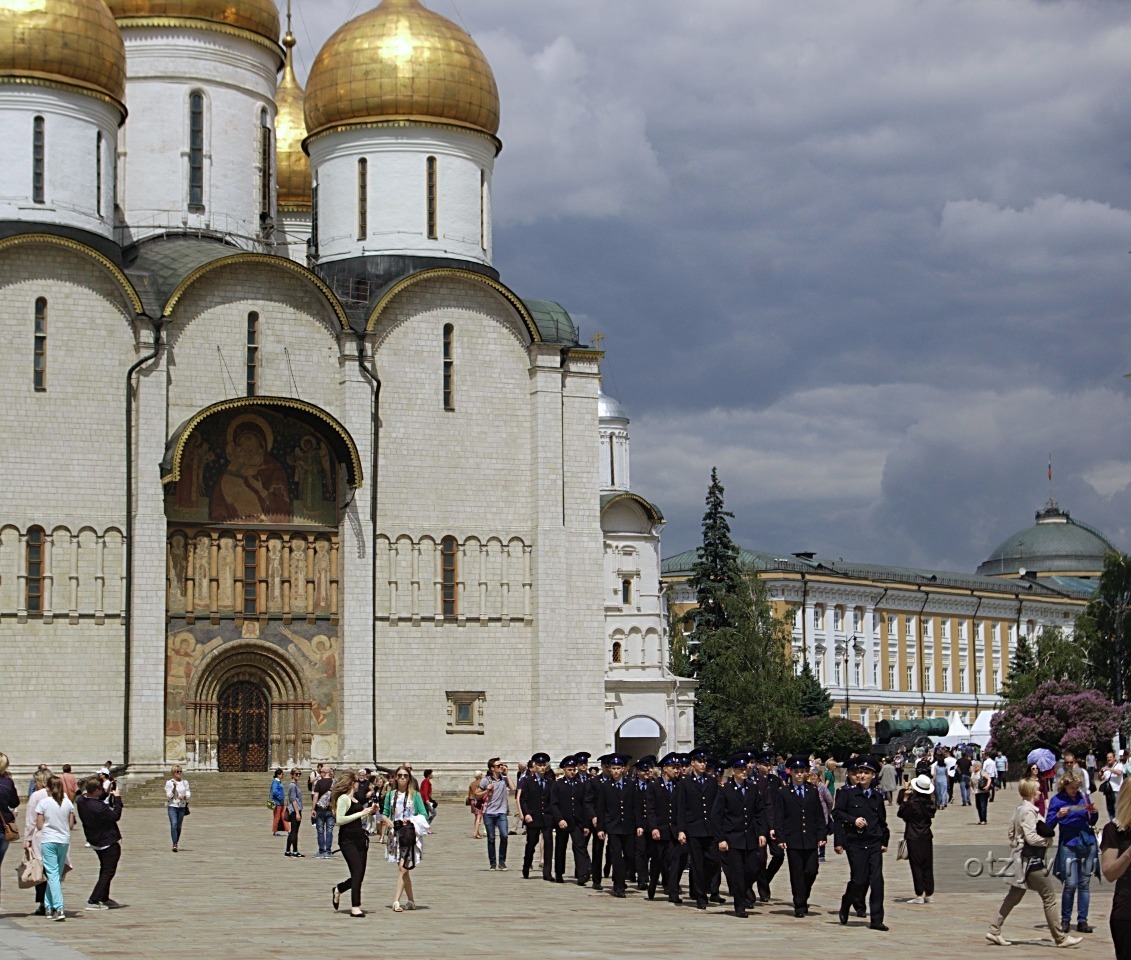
<point>659,815</point>
<point>861,831</point>
<point>534,808</point>
<point>767,768</point>
<point>597,845</point>
<point>695,826</point>
<point>642,846</point>
<point>801,830</point>
<point>743,830</point>
<point>567,807</point>
<point>616,819</point>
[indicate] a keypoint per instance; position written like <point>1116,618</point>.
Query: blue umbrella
<point>1044,759</point>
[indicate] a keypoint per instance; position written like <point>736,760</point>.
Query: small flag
<point>1050,468</point>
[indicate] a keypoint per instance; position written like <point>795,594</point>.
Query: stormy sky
<point>871,259</point>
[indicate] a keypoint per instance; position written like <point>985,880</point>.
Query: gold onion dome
<point>257,17</point>
<point>72,43</point>
<point>401,61</point>
<point>290,131</point>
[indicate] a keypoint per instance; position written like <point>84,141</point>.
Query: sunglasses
<point>402,776</point>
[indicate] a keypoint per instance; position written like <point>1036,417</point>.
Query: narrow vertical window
<point>449,368</point>
<point>483,209</point>
<point>448,574</point>
<point>38,160</point>
<point>432,234</point>
<point>314,219</point>
<point>98,173</point>
<point>252,352</point>
<point>362,198</point>
<point>618,652</point>
<point>196,151</point>
<point>626,591</point>
<point>250,574</point>
<point>267,174</point>
<point>39,368</point>
<point>34,591</point>
<point>612,462</point>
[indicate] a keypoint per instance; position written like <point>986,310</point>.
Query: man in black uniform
<point>768,770</point>
<point>801,830</point>
<point>642,846</point>
<point>567,807</point>
<point>695,827</point>
<point>659,815</point>
<point>743,830</point>
<point>616,819</point>
<point>597,845</point>
<point>534,808</point>
<point>860,829</point>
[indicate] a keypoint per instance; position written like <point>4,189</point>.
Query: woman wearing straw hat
<point>917,809</point>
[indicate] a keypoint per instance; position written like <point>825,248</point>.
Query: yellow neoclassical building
<point>895,643</point>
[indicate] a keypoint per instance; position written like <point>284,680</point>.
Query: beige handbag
<point>29,871</point>
<point>901,850</point>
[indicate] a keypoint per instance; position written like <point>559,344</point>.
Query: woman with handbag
<point>1027,871</point>
<point>54,820</point>
<point>32,847</point>
<point>177,794</point>
<point>9,801</point>
<point>350,811</point>
<point>982,785</point>
<point>405,815</point>
<point>278,804</point>
<point>917,809</point>
<point>1115,858</point>
<point>1074,813</point>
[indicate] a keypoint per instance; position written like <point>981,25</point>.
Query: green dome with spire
<point>1054,544</point>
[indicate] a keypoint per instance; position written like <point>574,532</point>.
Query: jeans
<point>964,787</point>
<point>176,818</point>
<point>1078,865</point>
<point>324,824</point>
<point>491,821</point>
<point>54,862</point>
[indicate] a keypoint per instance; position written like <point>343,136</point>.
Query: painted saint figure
<point>254,485</point>
<point>311,461</point>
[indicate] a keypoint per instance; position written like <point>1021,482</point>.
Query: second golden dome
<point>401,61</point>
<point>290,131</point>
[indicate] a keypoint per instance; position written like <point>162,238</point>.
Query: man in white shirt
<point>1112,776</point>
<point>1002,765</point>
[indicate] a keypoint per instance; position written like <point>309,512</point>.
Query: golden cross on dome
<point>598,339</point>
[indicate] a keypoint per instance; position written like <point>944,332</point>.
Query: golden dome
<point>401,61</point>
<point>290,131</point>
<point>258,17</point>
<point>74,43</point>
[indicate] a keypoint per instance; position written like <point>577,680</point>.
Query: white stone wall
<point>613,458</point>
<point>237,77</point>
<point>292,231</point>
<point>298,333</point>
<point>72,123</point>
<point>397,192</point>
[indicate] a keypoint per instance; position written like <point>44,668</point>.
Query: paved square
<point>230,893</point>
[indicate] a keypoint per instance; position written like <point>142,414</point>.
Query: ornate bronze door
<point>243,728</point>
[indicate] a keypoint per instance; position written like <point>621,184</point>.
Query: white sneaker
<point>928,899</point>
<point>1070,941</point>
<point>998,939</point>
<point>917,900</point>
<point>97,906</point>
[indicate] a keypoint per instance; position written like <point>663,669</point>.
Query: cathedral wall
<point>63,446</point>
<point>460,472</point>
<point>295,336</point>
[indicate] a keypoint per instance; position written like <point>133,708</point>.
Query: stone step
<point>208,790</point>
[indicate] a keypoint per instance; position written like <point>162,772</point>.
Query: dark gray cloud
<point>870,259</point>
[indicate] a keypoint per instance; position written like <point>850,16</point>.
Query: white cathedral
<point>290,473</point>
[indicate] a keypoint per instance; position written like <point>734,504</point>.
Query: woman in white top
<point>177,794</point>
<point>32,833</point>
<point>54,818</point>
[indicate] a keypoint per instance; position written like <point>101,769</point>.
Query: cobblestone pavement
<point>230,893</point>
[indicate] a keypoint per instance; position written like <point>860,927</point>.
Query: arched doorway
<point>639,736</point>
<point>243,728</point>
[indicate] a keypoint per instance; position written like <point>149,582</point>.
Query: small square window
<point>466,711</point>
<point>463,713</point>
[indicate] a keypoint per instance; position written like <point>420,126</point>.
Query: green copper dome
<point>1054,544</point>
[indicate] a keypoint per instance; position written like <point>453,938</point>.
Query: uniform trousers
<point>702,858</point>
<point>533,835</point>
<point>618,846</point>
<point>866,873</point>
<point>663,866</point>
<point>647,850</point>
<point>581,865</point>
<point>598,858</point>
<point>740,867</point>
<point>776,859</point>
<point>802,874</point>
<point>921,857</point>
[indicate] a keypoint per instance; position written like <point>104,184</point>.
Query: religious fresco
<point>311,649</point>
<point>262,467</point>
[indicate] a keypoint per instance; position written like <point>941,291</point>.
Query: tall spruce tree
<point>747,690</point>
<point>716,574</point>
<point>813,700</point>
<point>1021,680</point>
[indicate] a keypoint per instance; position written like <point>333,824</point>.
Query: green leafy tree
<point>716,574</point>
<point>812,698</point>
<point>1057,657</point>
<point>1105,629</point>
<point>747,693</point>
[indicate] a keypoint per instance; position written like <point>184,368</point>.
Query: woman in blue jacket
<point>1074,813</point>
<point>279,799</point>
